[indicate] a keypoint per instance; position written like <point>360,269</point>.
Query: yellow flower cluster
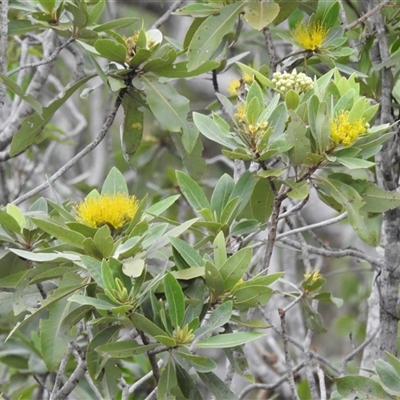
<point>344,131</point>
<point>234,84</point>
<point>183,335</point>
<point>314,275</point>
<point>299,82</point>
<point>310,36</point>
<point>112,210</point>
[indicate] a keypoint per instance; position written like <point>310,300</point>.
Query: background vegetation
<point>220,199</point>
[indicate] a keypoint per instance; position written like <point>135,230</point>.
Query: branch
<point>355,352</point>
<point>288,360</point>
<point>367,15</point>
<point>269,386</point>
<point>106,126</point>
<point>152,358</point>
<point>298,344</point>
<point>71,383</point>
<point>47,60</point>
<point>271,50</point>
<point>321,381</point>
<point>307,359</point>
<point>168,13</point>
<point>313,226</point>
<point>335,253</point>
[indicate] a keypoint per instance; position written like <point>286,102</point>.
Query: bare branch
<point>288,360</point>
<point>335,253</point>
<point>358,350</point>
<point>370,13</point>
<point>167,14</point>
<point>45,61</point>
<point>321,224</point>
<point>271,50</point>
<point>269,386</point>
<point>106,126</point>
<point>321,381</point>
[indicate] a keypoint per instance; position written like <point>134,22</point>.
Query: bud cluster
<point>299,82</point>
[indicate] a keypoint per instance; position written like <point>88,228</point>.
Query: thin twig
<point>269,386</point>
<point>138,383</point>
<point>335,253</point>
<point>106,126</point>
<point>358,350</point>
<point>288,360</point>
<point>367,15</point>
<point>167,14</point>
<point>315,355</point>
<point>307,359</point>
<point>47,60</point>
<point>321,224</point>
<point>294,209</point>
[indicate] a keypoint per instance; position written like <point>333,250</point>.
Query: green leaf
<point>132,127</point>
<point>319,123</point>
<point>252,72</point>
<point>378,200</point>
<point>187,384</point>
<point>191,256</point>
<point>161,206</point>
<point>217,387</point>
<point>133,267</point>
<point>52,344</point>
<point>235,267</point>
<point>16,89</point>
<point>212,131</point>
<point>91,301</point>
<point>230,211</point>
<point>394,362</point>
<point>198,10</point>
<point>104,242</point>
<point>192,191</point>
<point>111,50</point>
<point>260,15</point>
<point>389,376</point>
<point>296,135</point>
<point>252,293</point>
<point>262,200</point>
<point>362,387</point>
<point>219,317</point>
<point>354,163</point>
<point>167,382</point>
<point>116,23</point>
<point>210,33</point>
<point>60,232</point>
<point>214,280</point>
<point>189,273</point>
<point>228,340</point>
<point>142,323</point>
<point>9,224</point>
<point>243,189</point>
<point>199,363</point>
<point>124,349</point>
<point>292,99</point>
<point>171,109</point>
<point>33,125</point>
<point>96,12</point>
<point>220,255</point>
<point>180,70</point>
<point>175,299</point>
<point>115,183</point>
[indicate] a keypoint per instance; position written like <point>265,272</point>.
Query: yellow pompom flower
<point>114,210</point>
<point>310,36</point>
<point>344,131</point>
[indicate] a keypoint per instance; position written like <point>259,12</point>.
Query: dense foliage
<point>121,295</point>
